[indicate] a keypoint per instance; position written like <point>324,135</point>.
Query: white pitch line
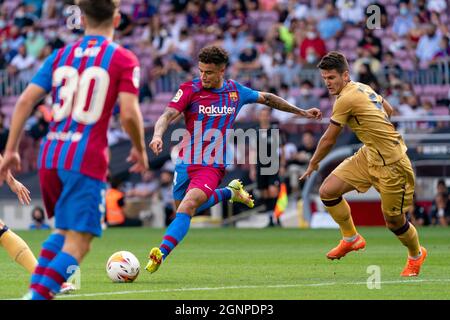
<point>321,284</point>
<point>243,287</point>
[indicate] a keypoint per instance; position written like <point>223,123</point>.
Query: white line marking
<point>244,287</point>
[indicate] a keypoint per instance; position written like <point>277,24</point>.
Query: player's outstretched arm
<point>24,106</point>
<point>133,124</point>
<point>161,126</point>
<point>276,102</point>
<point>327,142</point>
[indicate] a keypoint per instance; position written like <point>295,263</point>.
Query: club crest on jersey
<point>214,111</point>
<point>233,96</point>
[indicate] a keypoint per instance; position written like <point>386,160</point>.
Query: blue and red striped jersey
<point>84,79</point>
<point>209,114</point>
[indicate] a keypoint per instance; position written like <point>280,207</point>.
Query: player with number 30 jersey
<point>77,138</point>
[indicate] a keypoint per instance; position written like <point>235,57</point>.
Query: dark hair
<point>213,54</point>
<point>334,60</point>
<point>115,182</point>
<point>40,210</point>
<point>307,82</point>
<point>98,11</point>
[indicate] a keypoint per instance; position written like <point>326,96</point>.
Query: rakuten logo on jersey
<point>214,111</point>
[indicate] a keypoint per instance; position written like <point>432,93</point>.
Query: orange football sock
<point>340,211</point>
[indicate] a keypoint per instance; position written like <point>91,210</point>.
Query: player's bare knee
<point>188,206</point>
<point>326,193</point>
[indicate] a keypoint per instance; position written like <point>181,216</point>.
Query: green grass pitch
<point>228,263</point>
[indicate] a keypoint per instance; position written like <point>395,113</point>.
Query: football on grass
<point>123,266</point>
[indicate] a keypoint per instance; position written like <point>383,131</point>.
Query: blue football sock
<point>57,272</point>
<point>176,231</point>
<point>218,196</point>
<point>50,248</point>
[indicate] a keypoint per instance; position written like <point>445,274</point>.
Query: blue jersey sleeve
<point>43,77</point>
<point>246,94</point>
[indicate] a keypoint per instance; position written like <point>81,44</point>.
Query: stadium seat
<point>441,111</point>
<point>355,33</point>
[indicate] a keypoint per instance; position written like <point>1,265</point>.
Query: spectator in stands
<point>21,63</point>
<point>297,165</point>
<point>372,43</point>
<point>158,37</point>
<point>366,76</point>
<point>440,211</point>
<point>391,67</point>
<point>417,214</point>
<point>52,9</point>
<point>313,48</point>
<point>193,17</point>
<point>428,45</point>
<point>404,22</point>
<point>444,50</point>
<point>23,17</point>
<point>34,42</point>
<point>427,110</point>
<point>306,98</point>
<point>352,11</point>
<point>126,25</point>
<point>234,43</point>
<point>289,70</point>
<point>248,59</point>
<point>14,42</point>
<point>144,11</point>
<point>208,13</point>
<point>146,188</point>
<point>319,10</point>
<point>115,204</point>
<point>45,52</point>
<point>4,132</point>
<point>4,25</point>
<point>53,39</point>
<point>285,93</point>
<point>34,7</point>
<point>436,5</point>
<point>409,108</point>
<point>38,219</point>
<point>331,26</point>
<point>175,25</point>
<point>366,57</point>
<point>184,50</point>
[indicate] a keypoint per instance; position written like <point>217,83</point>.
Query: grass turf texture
<point>285,264</point>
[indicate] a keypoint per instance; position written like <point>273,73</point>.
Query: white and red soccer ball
<point>123,266</point>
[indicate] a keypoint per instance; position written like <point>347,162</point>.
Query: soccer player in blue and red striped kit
<point>210,105</point>
<point>85,80</point>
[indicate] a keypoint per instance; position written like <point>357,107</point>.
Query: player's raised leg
<point>234,191</point>
<point>331,193</point>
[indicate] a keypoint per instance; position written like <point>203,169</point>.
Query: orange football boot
<point>345,247</point>
<point>412,267</point>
